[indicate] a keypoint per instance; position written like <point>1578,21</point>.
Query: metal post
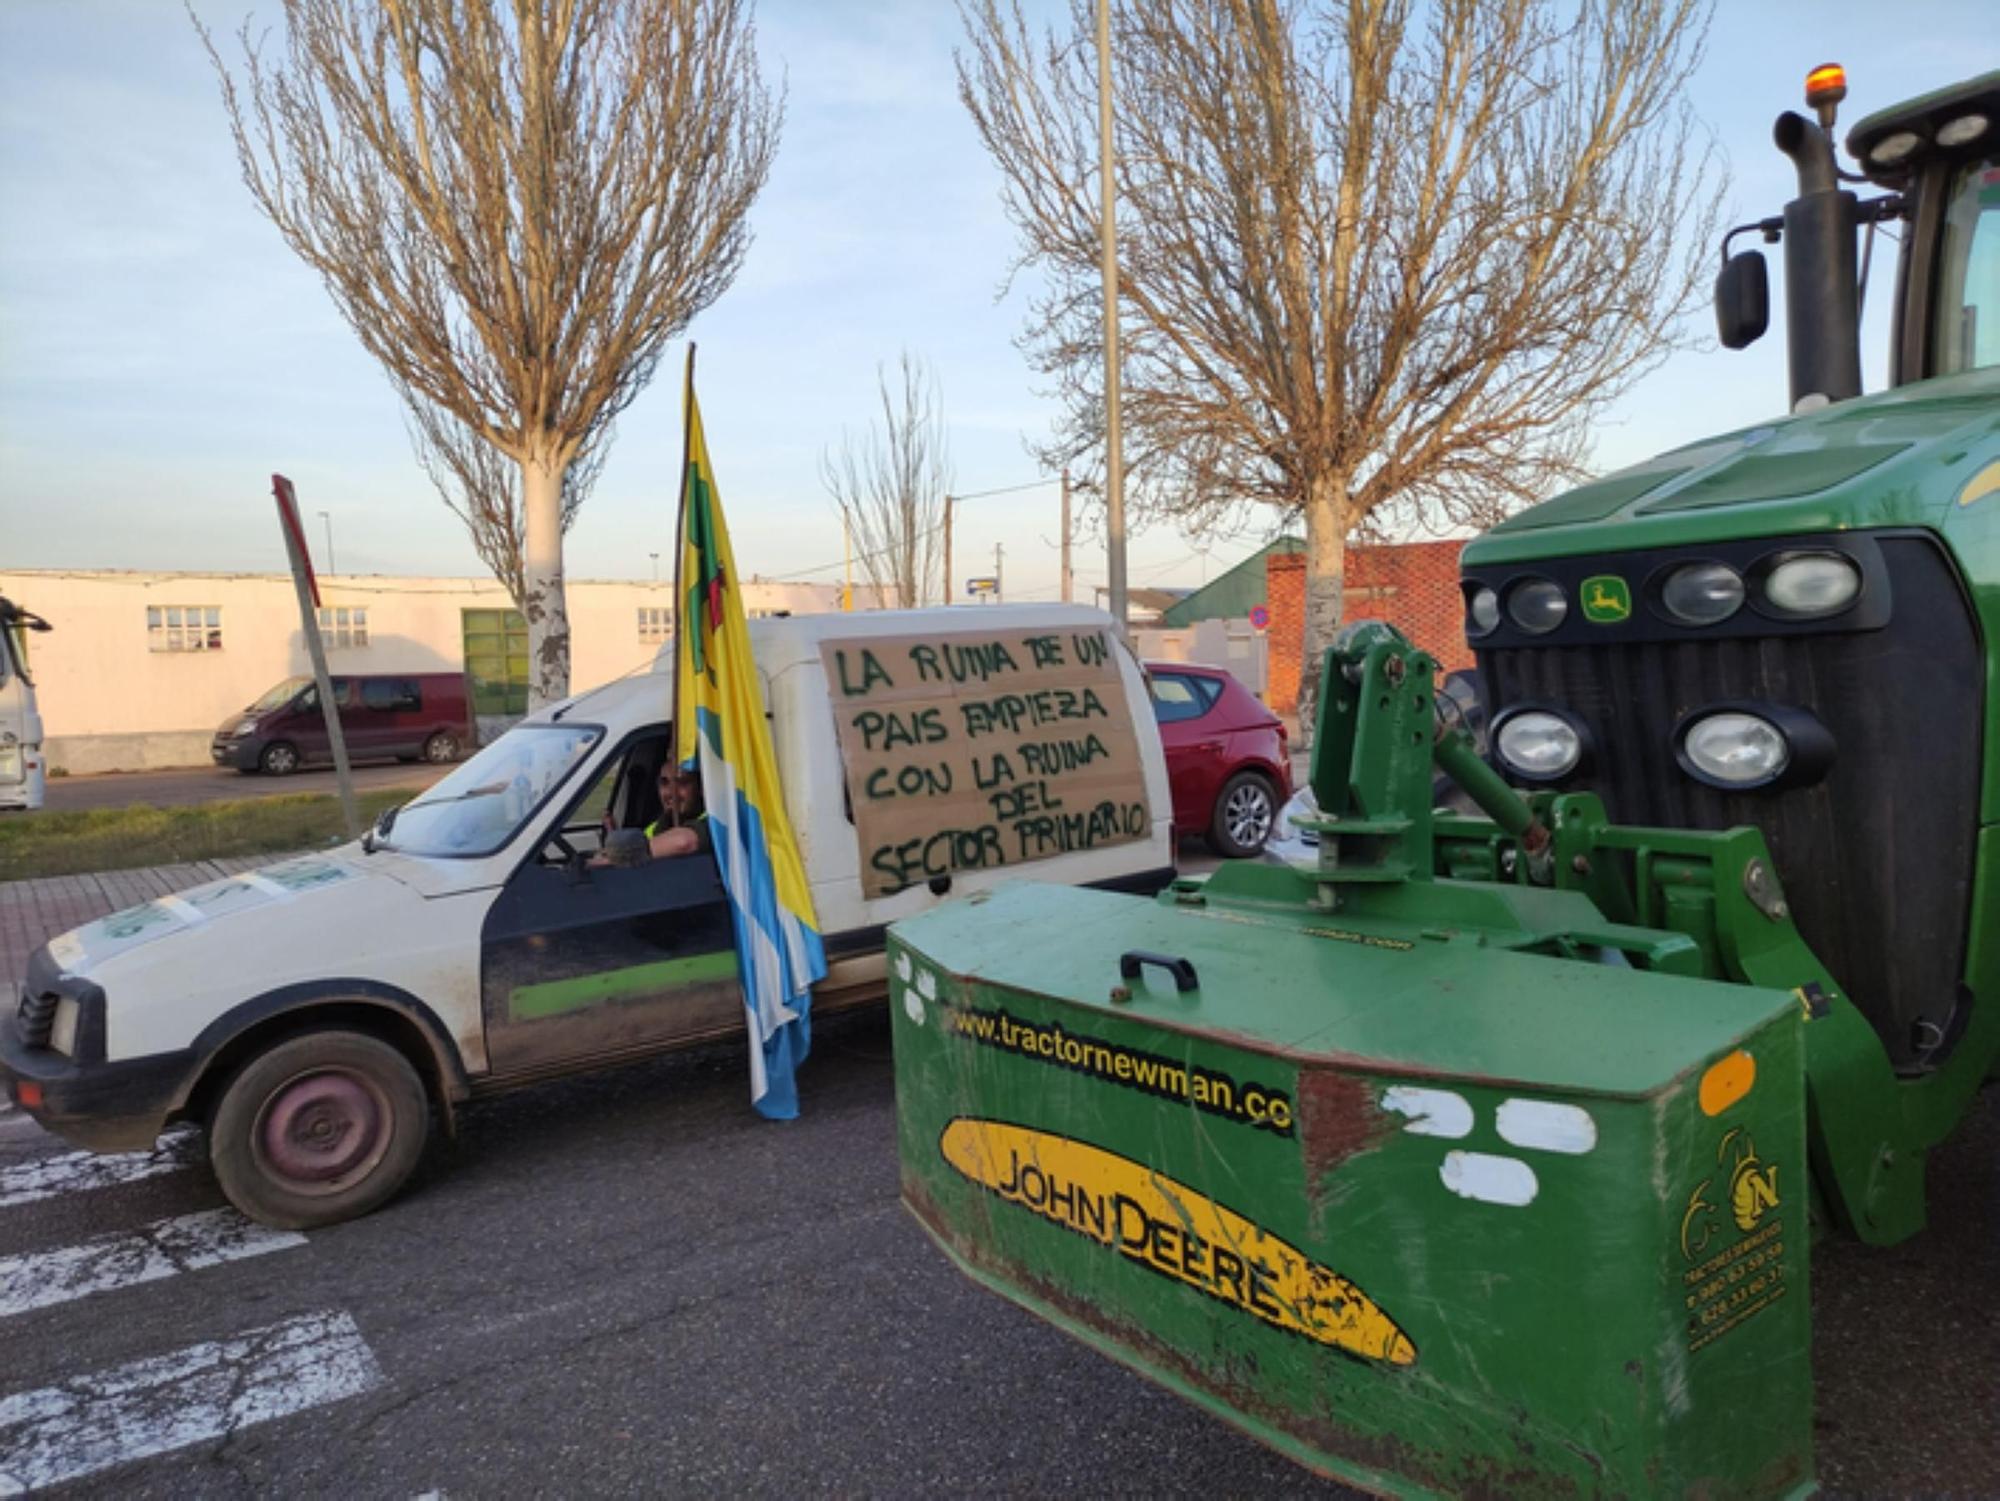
<point>947,549</point>
<point>1068,577</point>
<point>327,518</point>
<point>1114,454</point>
<point>847,554</point>
<point>295,552</point>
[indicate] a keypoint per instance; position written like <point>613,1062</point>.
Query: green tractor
<point>1484,1153</point>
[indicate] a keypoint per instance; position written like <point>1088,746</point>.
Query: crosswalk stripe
<point>76,1172</point>
<point>154,1406</point>
<point>127,1258</point>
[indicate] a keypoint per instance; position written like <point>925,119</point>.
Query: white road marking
<point>154,1406</point>
<point>78,1172</point>
<point>127,1258</point>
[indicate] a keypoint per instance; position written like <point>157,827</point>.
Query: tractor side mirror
<point>1742,300</point>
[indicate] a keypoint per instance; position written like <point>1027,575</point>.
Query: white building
<point>141,667</point>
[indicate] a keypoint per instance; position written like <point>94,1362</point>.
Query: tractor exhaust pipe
<point>1822,296</point>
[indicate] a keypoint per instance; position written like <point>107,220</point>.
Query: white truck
<point>23,767</point>
<point>315,1014</point>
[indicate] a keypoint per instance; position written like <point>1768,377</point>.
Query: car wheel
<point>280,759</point>
<point>321,1128</point>
<point>441,747</point>
<point>1244,815</point>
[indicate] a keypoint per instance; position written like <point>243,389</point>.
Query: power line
<point>1004,490</point>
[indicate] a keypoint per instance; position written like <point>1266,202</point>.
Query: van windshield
<point>283,694</point>
<point>482,805</point>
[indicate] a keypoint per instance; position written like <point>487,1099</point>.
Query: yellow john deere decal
<point>1606,599</point>
<point>1170,1229</point>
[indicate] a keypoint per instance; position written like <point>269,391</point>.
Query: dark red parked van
<point>407,716</point>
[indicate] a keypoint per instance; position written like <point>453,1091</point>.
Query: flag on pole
<point>722,729</point>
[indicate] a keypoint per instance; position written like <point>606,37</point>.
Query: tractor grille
<point>1877,858</point>
<point>36,1017</point>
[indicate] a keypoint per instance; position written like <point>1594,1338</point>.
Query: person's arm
<point>670,842</point>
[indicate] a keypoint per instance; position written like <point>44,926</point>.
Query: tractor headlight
<point>1809,585</point>
<point>1964,128</point>
<point>1895,148</point>
<point>1538,746</point>
<point>1482,611</point>
<point>1537,606</point>
<point>1735,750</point>
<point>1702,593</point>
<point>62,1027</point>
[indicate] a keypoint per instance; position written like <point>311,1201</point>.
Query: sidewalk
<point>33,912</point>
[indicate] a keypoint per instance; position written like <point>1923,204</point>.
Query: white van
<point>311,1014</point>
<point>23,768</point>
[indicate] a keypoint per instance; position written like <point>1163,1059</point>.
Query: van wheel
<point>441,747</point>
<point>1244,815</point>
<point>280,759</point>
<point>321,1128</point>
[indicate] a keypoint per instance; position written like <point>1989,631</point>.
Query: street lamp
<point>328,519</point>
<point>656,565</point>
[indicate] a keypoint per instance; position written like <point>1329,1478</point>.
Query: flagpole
<point>680,553</point>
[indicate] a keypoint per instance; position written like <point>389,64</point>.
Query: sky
<point>162,353</point>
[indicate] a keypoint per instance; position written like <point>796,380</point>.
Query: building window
<point>496,660</point>
<point>656,624</point>
<point>344,625</point>
<point>184,627</point>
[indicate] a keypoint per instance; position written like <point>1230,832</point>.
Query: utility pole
<point>998,553</point>
<point>1114,453</point>
<point>308,592</point>
<point>947,549</point>
<point>328,519</point>
<point>847,558</point>
<point>1068,578</point>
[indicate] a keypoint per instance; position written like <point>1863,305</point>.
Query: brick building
<point>1413,586</point>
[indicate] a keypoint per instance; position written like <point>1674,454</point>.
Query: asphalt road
<point>208,784</point>
<point>628,1284</point>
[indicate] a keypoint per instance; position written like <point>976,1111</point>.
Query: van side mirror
<point>1742,300</point>
<point>627,847</point>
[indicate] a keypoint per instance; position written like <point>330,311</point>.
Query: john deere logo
<point>1606,600</point>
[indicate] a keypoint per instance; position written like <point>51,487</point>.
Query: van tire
<point>280,759</point>
<point>1246,811</point>
<point>323,1127</point>
<point>441,747</point>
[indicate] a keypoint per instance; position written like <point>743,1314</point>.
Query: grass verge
<point>68,844</point>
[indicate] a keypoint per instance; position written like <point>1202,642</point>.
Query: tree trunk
<point>1326,581</point>
<point>542,600</point>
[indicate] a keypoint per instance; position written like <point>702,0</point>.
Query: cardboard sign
<point>977,750</point>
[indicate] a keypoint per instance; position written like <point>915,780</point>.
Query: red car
<point>1227,756</point>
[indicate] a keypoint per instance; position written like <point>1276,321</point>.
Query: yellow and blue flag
<point>722,729</point>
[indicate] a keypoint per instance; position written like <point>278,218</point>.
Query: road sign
<point>986,585</point>
<point>1260,617</point>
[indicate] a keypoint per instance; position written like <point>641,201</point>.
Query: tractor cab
<point>23,766</point>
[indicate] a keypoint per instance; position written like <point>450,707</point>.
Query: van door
<point>581,962</point>
<point>387,720</point>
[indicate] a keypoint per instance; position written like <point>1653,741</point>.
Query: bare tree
<point>482,487</point>
<point>515,207</point>
<point>891,485</point>
<point>1381,262</point>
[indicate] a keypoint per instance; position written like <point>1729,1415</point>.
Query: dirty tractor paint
<point>1481,1157</point>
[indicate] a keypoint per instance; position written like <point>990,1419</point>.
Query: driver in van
<point>680,793</point>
